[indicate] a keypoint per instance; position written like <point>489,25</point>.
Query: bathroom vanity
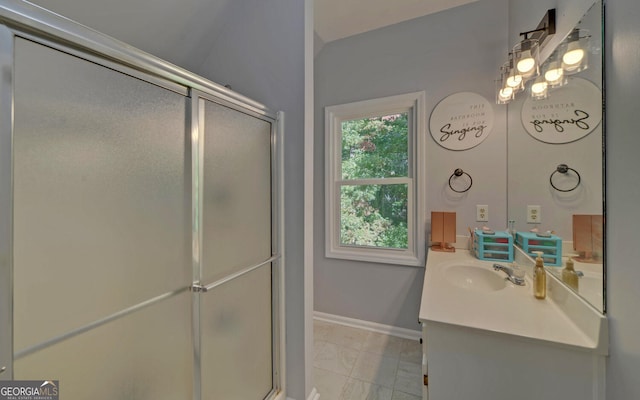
<point>487,338</point>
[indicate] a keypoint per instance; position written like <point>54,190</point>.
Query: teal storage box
<point>550,246</point>
<point>493,246</point>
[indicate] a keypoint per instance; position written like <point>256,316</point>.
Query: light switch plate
<point>534,215</point>
<point>482,213</point>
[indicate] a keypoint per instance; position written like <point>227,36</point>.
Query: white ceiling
<point>180,32</point>
<point>337,19</point>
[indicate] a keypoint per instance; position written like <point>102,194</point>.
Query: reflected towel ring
<point>458,173</point>
<point>564,169</point>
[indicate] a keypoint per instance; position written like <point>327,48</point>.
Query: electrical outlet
<point>482,213</point>
<point>534,215</point>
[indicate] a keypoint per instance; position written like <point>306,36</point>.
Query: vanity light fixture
<point>523,64</point>
<point>570,57</point>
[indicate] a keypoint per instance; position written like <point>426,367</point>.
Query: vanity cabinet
<point>494,343</point>
<point>467,363</point>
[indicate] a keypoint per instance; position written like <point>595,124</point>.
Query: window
<point>374,180</point>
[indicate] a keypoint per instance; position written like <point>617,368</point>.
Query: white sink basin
<point>461,290</point>
<point>473,277</point>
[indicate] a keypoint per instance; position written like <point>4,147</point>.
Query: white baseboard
<point>314,395</point>
<point>368,325</point>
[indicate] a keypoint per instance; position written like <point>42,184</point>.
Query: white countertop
<point>590,284</point>
<point>512,310</point>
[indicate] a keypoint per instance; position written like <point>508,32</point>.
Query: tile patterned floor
<point>356,364</point>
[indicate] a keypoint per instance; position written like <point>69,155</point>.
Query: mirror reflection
<point>555,164</point>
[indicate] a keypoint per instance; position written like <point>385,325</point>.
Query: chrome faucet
<point>511,276</point>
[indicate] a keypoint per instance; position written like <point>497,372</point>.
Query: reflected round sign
<point>461,121</point>
<point>570,112</point>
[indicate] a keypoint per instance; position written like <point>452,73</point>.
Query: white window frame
<point>414,105</point>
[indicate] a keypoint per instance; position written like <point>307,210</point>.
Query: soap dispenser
<point>539,278</point>
<point>569,275</point>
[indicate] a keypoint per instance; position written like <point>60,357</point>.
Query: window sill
<point>395,257</point>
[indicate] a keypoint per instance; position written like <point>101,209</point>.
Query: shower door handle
<point>2,369</point>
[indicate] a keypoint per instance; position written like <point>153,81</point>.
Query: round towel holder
<point>456,174</point>
<point>564,169</point>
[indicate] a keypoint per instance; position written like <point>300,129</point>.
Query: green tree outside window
<point>374,214</point>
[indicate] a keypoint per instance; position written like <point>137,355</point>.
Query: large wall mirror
<point>556,161</point>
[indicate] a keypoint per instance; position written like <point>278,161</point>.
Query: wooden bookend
<point>587,237</point>
<point>443,231</point>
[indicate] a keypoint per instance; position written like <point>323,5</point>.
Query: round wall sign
<point>570,112</point>
<point>461,121</point>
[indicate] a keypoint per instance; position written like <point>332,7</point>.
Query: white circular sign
<point>570,112</point>
<point>461,121</point>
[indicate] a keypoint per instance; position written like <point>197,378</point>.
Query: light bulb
<point>526,63</point>
<point>514,80</point>
<point>505,93</point>
<point>573,56</point>
<point>539,87</point>
<point>525,55</point>
<point>554,74</point>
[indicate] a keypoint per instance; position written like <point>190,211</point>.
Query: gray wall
<point>261,55</point>
<point>622,51</point>
<point>452,51</point>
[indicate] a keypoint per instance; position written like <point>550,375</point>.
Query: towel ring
<point>564,169</point>
<point>458,173</point>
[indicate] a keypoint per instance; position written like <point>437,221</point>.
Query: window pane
<point>374,215</point>
<point>375,147</point>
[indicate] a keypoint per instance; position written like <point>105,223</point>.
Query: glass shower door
<point>141,245</point>
<point>101,230</point>
<point>236,310</point>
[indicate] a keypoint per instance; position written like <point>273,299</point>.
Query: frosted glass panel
<point>236,338</point>
<point>237,191</point>
<point>101,214</point>
<point>144,355</point>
